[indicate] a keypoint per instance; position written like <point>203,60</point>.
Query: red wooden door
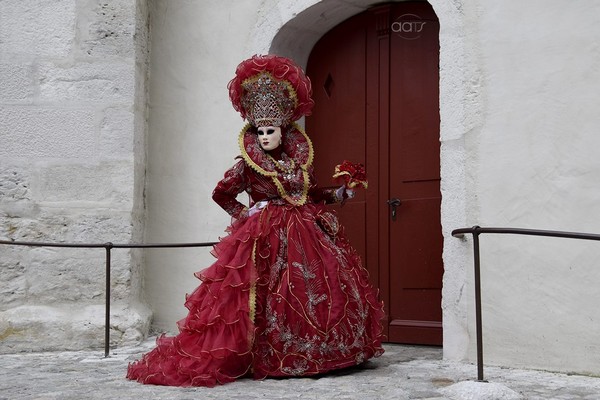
<point>375,81</point>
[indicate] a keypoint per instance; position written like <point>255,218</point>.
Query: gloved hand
<point>257,207</point>
<point>344,193</point>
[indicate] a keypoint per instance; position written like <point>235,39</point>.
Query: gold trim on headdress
<point>268,101</point>
<point>270,90</point>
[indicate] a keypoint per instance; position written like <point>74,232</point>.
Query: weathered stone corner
<point>52,328</point>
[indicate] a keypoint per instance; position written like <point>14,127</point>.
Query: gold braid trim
<point>291,91</point>
<point>287,197</point>
<point>311,151</point>
<point>247,158</point>
<point>252,295</point>
<point>305,176</point>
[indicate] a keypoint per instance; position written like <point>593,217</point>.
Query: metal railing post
<point>476,231</point>
<point>478,323</point>
<point>108,246</point>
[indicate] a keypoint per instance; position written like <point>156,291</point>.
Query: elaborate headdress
<point>268,90</point>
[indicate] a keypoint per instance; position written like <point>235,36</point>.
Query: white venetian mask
<point>269,137</point>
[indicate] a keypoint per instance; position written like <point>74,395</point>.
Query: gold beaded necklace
<point>286,165</point>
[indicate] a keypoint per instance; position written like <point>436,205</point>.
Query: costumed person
<point>287,294</point>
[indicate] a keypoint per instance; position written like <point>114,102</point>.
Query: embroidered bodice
<point>284,176</point>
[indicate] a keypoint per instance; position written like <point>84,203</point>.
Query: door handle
<point>393,203</point>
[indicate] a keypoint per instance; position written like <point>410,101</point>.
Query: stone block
<point>480,390</point>
<point>69,327</point>
<point>107,28</point>
<point>78,228</point>
<point>37,28</point>
<point>110,82</point>
<point>15,183</point>
<point>27,132</point>
<point>16,82</point>
<point>50,275</point>
<point>110,184</point>
<point>13,284</point>
<point>121,275</point>
<point>26,228</point>
<point>100,228</point>
<point>116,133</point>
<point>129,323</point>
<point>58,275</point>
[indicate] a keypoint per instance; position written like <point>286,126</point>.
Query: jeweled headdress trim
<point>268,101</point>
<point>269,90</point>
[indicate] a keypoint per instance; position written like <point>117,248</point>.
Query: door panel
<point>416,260</point>
<point>337,126</point>
<point>376,95</point>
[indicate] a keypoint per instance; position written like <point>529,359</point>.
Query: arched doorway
<point>375,79</point>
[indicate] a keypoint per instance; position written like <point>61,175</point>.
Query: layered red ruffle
<point>282,299</point>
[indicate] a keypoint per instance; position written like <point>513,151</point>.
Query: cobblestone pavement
<point>403,372</point>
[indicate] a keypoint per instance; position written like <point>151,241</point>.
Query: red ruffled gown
<point>287,295</point>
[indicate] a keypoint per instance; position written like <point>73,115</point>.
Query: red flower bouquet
<point>353,175</point>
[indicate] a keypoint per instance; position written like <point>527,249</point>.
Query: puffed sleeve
<point>233,183</point>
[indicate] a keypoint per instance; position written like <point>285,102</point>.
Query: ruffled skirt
<point>287,296</point>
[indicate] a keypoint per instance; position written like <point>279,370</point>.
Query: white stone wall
<point>72,156</point>
<point>192,139</point>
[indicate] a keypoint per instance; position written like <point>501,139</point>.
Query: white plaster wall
<point>72,126</point>
<point>517,94</point>
<point>537,167</point>
<point>193,130</point>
